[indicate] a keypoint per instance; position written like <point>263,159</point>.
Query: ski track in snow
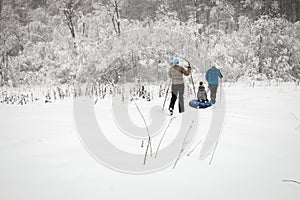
<point>41,156</point>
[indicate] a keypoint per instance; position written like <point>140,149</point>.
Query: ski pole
<point>193,84</point>
<point>220,90</point>
<point>192,78</point>
<point>166,94</point>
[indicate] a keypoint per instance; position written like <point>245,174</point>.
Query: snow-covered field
<point>42,157</point>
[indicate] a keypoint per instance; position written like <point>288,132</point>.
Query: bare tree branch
<point>114,13</point>
<point>113,21</point>
<point>69,7</point>
<point>163,136</point>
<point>112,3</point>
<point>292,181</point>
<point>183,145</point>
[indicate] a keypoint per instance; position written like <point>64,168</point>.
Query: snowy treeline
<point>61,42</point>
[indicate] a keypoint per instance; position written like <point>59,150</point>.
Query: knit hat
<point>175,61</point>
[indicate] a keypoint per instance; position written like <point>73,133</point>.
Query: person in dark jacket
<point>176,73</point>
<point>212,76</point>
<point>202,95</point>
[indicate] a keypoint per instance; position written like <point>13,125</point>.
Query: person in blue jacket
<point>212,76</point>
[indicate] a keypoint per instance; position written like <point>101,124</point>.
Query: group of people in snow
<point>176,73</point>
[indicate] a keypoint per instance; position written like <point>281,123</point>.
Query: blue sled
<point>199,105</point>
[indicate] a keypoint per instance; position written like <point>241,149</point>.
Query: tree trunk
<point>114,24</point>
<point>298,10</point>
<point>1,2</point>
<point>70,23</point>
<point>117,4</point>
<point>259,54</point>
<point>114,12</point>
<point>4,64</point>
<point>2,71</point>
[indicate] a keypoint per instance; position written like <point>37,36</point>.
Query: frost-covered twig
<point>194,148</point>
<point>183,145</point>
<point>292,181</point>
<point>96,101</point>
<point>163,136</point>
<point>292,114</point>
<point>148,146</point>
<point>149,137</point>
<point>213,154</point>
<point>166,94</point>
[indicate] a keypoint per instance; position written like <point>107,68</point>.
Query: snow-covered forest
<point>53,42</point>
